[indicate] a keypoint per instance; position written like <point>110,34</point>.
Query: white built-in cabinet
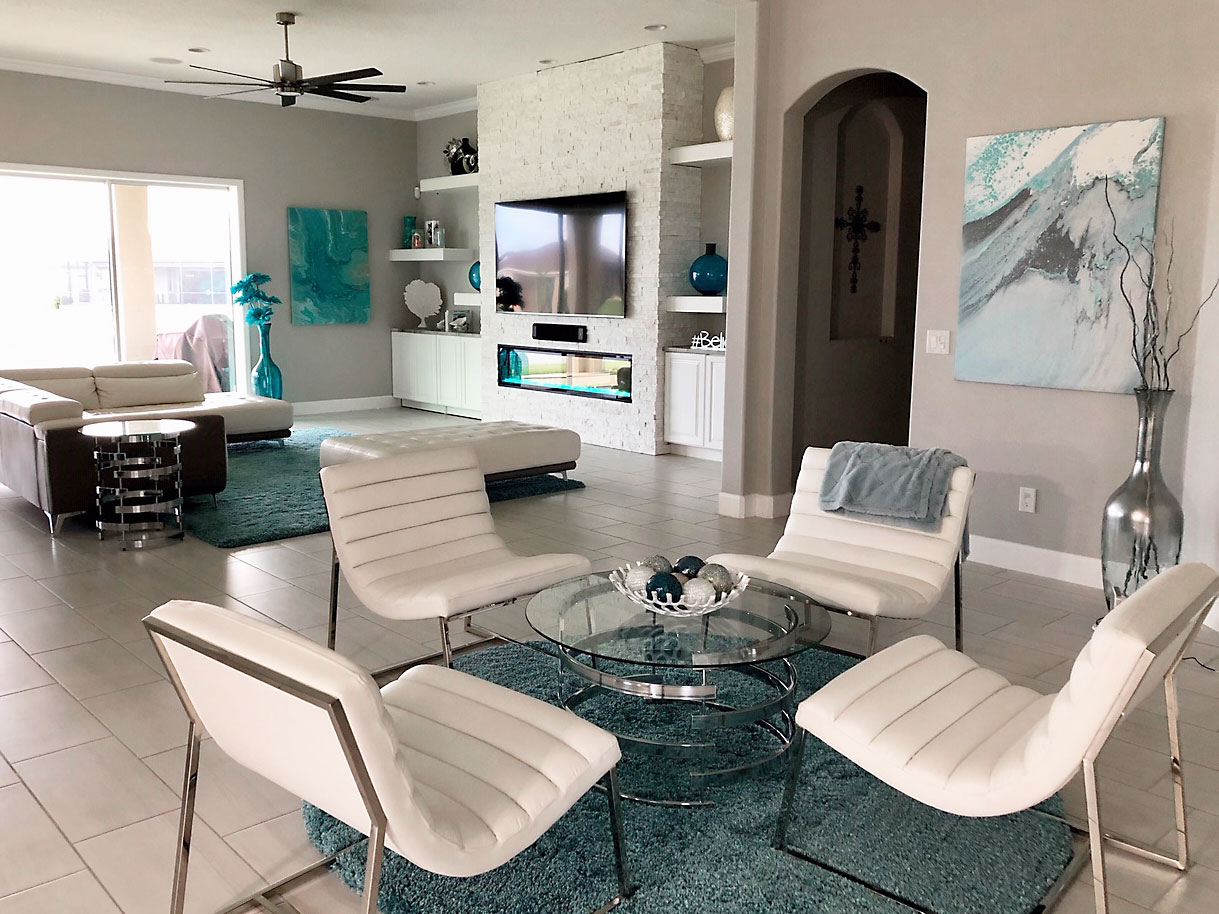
<point>694,400</point>
<point>439,372</point>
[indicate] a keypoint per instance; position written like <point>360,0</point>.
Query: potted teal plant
<point>266,380</point>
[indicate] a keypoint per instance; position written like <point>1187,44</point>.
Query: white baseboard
<point>1061,566</point>
<point>755,505</point>
<point>350,405</point>
<point>699,453</point>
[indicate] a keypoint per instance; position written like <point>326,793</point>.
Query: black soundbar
<point>562,333</point>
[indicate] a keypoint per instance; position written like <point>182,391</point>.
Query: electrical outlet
<point>1028,500</point>
<point>939,342</point>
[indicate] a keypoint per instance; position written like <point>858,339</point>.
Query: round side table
<point>139,480</point>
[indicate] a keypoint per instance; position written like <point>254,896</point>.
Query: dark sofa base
<point>260,436</point>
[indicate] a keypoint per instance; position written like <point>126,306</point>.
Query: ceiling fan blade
<point>208,82</point>
<point>345,96</point>
<point>195,66</point>
<point>239,92</point>
<point>287,101</point>
<point>342,77</point>
<point>370,87</point>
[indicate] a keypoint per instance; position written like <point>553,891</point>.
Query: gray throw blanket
<point>902,486</point>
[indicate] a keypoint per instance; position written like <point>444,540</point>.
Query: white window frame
<point>237,255</point>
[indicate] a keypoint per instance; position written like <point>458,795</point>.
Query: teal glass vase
<point>709,273</point>
<point>266,380</point>
<point>476,276</point>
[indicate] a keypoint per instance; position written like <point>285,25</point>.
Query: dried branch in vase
<point>1151,334</point>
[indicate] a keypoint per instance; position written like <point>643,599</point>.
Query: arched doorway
<point>862,188</point>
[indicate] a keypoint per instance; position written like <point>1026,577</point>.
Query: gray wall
<point>986,69</point>
<point>286,157</point>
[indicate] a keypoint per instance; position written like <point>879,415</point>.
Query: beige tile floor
<point>92,736</point>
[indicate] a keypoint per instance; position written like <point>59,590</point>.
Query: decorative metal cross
<point>858,226</point>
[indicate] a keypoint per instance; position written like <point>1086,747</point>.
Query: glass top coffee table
<point>718,674</point>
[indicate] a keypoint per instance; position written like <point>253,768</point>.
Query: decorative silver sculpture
<point>1141,531</point>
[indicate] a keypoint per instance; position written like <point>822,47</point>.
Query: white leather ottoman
<point>506,450</point>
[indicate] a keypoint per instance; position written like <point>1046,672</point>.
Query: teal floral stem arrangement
<point>266,380</point>
<point>1143,522</point>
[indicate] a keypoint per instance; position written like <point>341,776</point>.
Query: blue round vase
<point>476,276</point>
<point>709,273</point>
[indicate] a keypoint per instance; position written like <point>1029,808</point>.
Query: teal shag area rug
<point>694,860</point>
<point>274,493</point>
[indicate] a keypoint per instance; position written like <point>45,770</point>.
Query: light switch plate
<point>939,342</point>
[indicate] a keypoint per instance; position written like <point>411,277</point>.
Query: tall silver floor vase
<point>1141,531</point>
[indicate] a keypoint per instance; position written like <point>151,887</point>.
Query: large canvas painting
<point>1040,297</point>
<point>328,255</point>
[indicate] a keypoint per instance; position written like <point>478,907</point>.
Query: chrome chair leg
<point>779,840</point>
<point>332,632</point>
<point>956,600</point>
<point>873,635</point>
<point>445,644</point>
<point>372,868</point>
<point>1096,838</point>
<point>626,888</point>
<point>1178,775</point>
<point>186,820</point>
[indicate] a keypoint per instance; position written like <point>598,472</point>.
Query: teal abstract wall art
<point>328,255</point>
<point>1040,301</point>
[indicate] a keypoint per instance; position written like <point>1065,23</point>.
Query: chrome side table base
<point>773,717</point>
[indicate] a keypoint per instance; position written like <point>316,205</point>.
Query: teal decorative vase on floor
<point>266,380</point>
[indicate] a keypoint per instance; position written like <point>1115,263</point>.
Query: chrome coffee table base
<point>772,717</point>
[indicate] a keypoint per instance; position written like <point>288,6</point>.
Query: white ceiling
<point>455,43</point>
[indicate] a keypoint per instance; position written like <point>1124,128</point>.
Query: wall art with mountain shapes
<point>1040,301</point>
<point>328,256</point>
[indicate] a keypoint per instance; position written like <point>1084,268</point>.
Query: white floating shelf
<point>702,154</point>
<point>419,254</point>
<point>449,182</point>
<point>696,304</point>
<point>467,299</point>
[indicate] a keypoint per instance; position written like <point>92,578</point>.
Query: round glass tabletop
<point>137,428</point>
<point>586,615</point>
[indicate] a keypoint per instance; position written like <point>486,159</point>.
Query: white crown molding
<point>717,52</point>
<point>62,71</point>
<point>461,106</point>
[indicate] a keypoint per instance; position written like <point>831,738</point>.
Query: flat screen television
<point>565,255</point>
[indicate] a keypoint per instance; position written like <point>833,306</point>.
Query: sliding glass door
<point>98,268</point>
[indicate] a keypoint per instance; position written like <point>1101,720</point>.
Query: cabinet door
<point>685,408</point>
<point>474,374</point>
<point>450,371</point>
<point>715,402</point>
<point>400,359</point>
<point>421,368</point>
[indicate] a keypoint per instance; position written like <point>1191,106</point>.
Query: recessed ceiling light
<point>547,61</point>
<point>655,27</point>
<point>426,82</point>
<point>166,60</point>
<point>199,50</point>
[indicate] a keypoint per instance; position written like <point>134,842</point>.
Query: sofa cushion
<point>33,405</point>
<point>73,383</point>
<point>124,384</point>
<point>244,414</point>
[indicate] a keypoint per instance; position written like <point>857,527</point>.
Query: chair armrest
<point>32,405</point>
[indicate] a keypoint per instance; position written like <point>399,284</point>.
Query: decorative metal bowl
<point>683,606</point>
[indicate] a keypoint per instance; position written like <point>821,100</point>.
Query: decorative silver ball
<point>699,591</point>
<point>637,578</point>
<point>658,563</point>
<point>718,577</point>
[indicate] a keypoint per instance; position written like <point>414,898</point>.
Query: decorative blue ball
<point>689,565</point>
<point>709,273</point>
<point>664,588</point>
<point>476,276</point>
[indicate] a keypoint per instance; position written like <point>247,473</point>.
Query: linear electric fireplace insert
<point>604,375</point>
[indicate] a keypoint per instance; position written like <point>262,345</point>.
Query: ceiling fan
<point>289,80</point>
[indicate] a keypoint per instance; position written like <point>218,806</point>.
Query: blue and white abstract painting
<point>1040,297</point>
<point>328,256</point>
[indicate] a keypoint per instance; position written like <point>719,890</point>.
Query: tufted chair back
<point>398,514</point>
<point>920,554</point>
<point>1132,650</point>
<point>267,696</point>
